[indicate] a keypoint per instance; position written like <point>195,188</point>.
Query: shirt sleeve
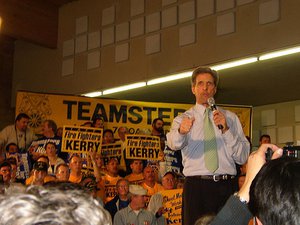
<point>175,140</point>
<point>234,212</point>
<point>235,139</point>
<point>154,203</point>
<point>118,219</point>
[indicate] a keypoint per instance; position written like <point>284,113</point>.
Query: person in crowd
<point>122,131</point>
<point>97,162</point>
<point>137,175</point>
<point>59,132</point>
<point>211,142</point>
<point>264,139</point>
<point>271,190</point>
<point>22,160</point>
<point>39,173</point>
<point>135,212</point>
<point>89,183</point>
<point>121,200</point>
<point>11,149</point>
<point>5,172</point>
<point>54,160</point>
<point>242,176</point>
<point>158,127</point>
<point>87,124</point>
<point>52,205</point>
<point>14,170</point>
<point>156,201</point>
<point>75,165</point>
<point>109,180</point>
<point>98,121</point>
<point>49,135</point>
<point>47,178</point>
<point>108,137</point>
<point>150,183</point>
<point>18,133</point>
<point>62,173</point>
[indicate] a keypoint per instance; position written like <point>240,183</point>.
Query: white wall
<point>281,121</point>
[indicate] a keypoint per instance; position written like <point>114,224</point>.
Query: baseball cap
<point>137,190</point>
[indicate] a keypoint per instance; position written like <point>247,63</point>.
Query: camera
<point>291,151</point>
<point>288,151</point>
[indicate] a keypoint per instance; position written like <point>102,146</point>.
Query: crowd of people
<point>219,179</point>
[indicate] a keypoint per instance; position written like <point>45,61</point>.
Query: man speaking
<point>211,141</point>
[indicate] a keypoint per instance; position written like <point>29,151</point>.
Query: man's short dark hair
<point>11,144</point>
<point>264,136</point>
<point>108,131</point>
<point>275,192</point>
<point>201,70</point>
<point>61,165</point>
<point>97,117</point>
<point>4,164</point>
<point>51,124</point>
<point>22,115</point>
<point>156,119</point>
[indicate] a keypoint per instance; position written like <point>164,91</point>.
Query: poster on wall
<point>71,110</point>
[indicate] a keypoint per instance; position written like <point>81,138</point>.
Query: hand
<point>220,119</point>
<point>255,162</point>
<point>161,211</point>
<point>186,125</point>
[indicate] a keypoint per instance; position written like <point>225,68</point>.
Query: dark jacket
<point>113,206</point>
<point>234,212</point>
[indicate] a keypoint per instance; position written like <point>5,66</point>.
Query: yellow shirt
<point>152,190</point>
<point>47,178</point>
<point>108,184</point>
<point>75,179</point>
<point>135,178</point>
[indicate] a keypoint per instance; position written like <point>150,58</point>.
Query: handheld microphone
<point>213,107</point>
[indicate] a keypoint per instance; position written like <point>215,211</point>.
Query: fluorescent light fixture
<point>124,88</point>
<point>169,78</point>
<point>280,53</point>
<point>93,94</point>
<point>234,63</point>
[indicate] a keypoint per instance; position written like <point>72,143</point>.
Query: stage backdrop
<point>136,115</point>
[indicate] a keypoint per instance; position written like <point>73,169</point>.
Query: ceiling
<point>35,21</point>
<point>260,83</point>
<point>264,82</point>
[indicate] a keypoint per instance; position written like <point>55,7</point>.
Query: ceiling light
<point>169,78</point>
<point>280,53</point>
<point>93,94</point>
<point>234,63</point>
<point>124,88</point>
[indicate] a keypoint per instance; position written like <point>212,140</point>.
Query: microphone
<point>213,107</point>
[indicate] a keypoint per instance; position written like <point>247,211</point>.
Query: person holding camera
<point>270,193</point>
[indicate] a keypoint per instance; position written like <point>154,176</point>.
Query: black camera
<point>288,151</point>
<point>291,151</point>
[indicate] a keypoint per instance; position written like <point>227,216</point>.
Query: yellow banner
<point>109,151</point>
<point>172,203</point>
<point>143,147</point>
<point>76,110</point>
<point>81,139</point>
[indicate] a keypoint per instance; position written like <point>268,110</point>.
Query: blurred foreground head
<point>52,205</point>
<point>275,192</point>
